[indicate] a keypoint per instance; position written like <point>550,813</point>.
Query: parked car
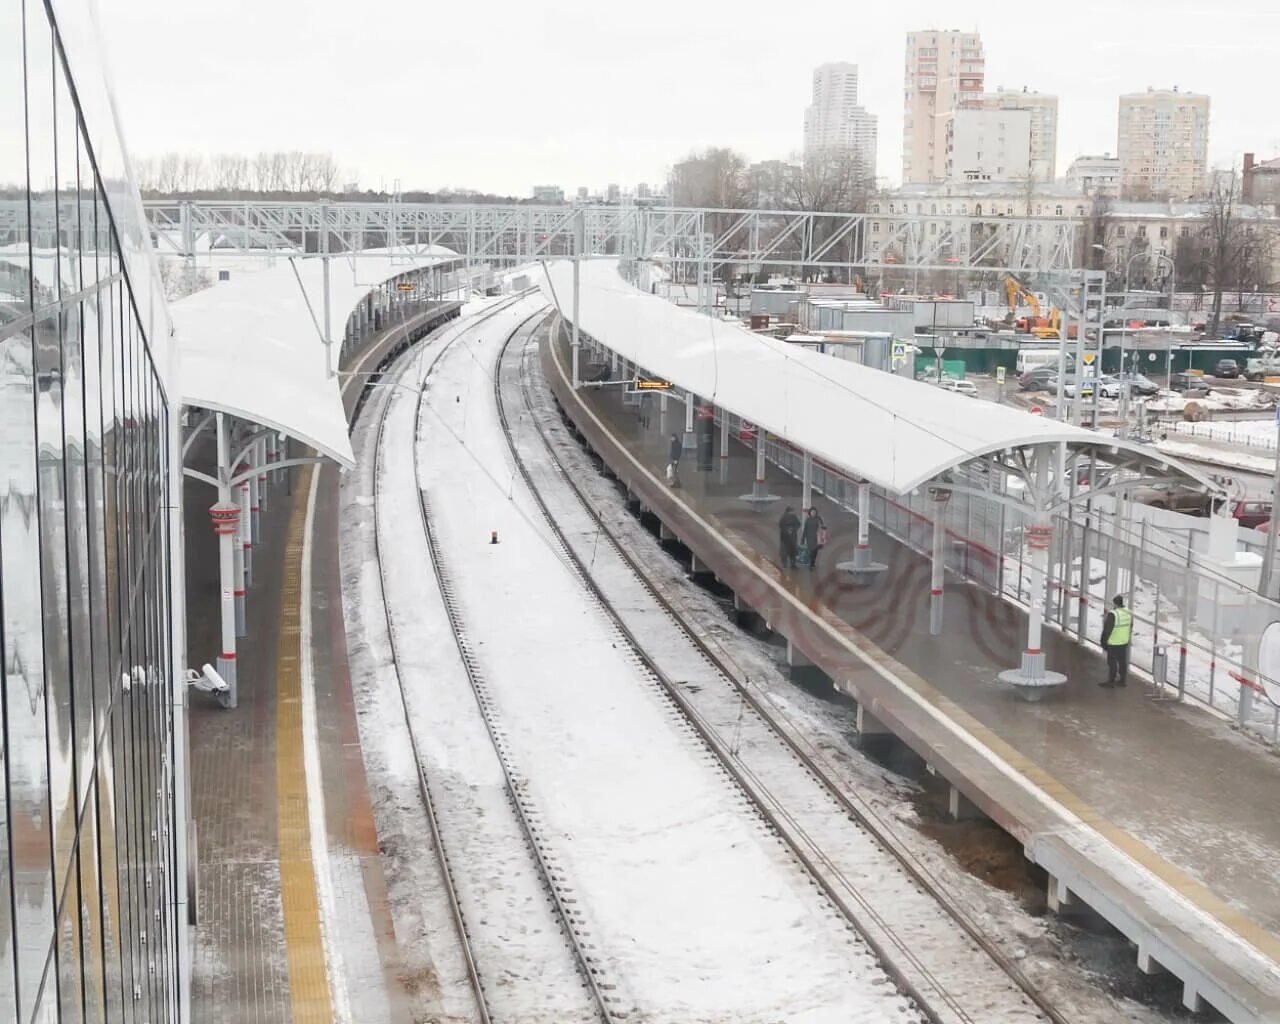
<point>1188,382</point>
<point>1108,387</point>
<point>1139,384</point>
<point>1227,369</point>
<point>1252,514</point>
<point>1042,378</point>
<point>1257,369</point>
<point>1179,499</point>
<point>960,387</point>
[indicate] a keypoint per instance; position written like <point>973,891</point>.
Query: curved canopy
<point>895,432</point>
<point>252,347</point>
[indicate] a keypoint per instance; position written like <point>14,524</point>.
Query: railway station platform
<point>1158,816</point>
<point>264,950</point>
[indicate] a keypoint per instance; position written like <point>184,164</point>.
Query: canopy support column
<point>862,568</point>
<point>689,442</point>
<point>937,575</point>
<point>1031,679</point>
<point>806,480</point>
<point>226,516</point>
<point>724,446</point>
<point>244,557</point>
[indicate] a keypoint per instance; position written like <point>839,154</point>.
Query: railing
<point>1201,619</point>
<point>1232,433</point>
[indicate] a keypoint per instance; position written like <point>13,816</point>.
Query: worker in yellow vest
<point>1117,629</point>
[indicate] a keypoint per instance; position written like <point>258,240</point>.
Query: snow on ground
<point>1051,952</point>
<point>431,964</point>
<point>1250,462</point>
<point>1248,433</point>
<point>529,972</point>
<point>696,910</point>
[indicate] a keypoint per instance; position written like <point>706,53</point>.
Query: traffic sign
<point>1088,358</point>
<point>1035,410</point>
<point>899,353</point>
<point>999,374</point>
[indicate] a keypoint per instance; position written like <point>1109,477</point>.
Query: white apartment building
<point>989,145</point>
<point>548,195</point>
<point>945,72</point>
<point>1043,111</point>
<point>834,122</point>
<point>1097,176</point>
<point>1164,144</point>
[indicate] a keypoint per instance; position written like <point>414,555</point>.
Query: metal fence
<point>1232,433</point>
<point>1193,625</point>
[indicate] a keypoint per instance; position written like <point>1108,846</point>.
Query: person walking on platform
<point>814,537</point>
<point>673,466</point>
<point>789,537</point>
<point>1117,629</point>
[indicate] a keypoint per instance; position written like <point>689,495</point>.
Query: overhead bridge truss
<point>805,241</point>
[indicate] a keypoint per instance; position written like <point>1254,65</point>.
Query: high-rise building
<point>92,908</point>
<point>1164,144</point>
<point>548,195</point>
<point>989,145</point>
<point>1095,175</point>
<point>1043,111</point>
<point>945,72</point>
<point>835,123</point>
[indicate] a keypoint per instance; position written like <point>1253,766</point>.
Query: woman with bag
<point>814,536</point>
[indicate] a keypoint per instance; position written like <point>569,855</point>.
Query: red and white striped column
<point>226,517</point>
<point>938,567</point>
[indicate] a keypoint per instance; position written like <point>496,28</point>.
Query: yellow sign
<point>405,286</point>
<point>654,385</point>
<point>1088,358</point>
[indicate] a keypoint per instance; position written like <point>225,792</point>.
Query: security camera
<point>207,679</point>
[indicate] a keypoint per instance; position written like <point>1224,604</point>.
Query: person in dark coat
<point>789,537</point>
<point>1117,631</point>
<point>813,536</point>
<point>673,466</point>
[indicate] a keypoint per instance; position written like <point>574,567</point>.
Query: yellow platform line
<point>304,942</point>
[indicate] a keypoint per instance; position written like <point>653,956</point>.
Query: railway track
<point>599,1005</point>
<point>955,973</point>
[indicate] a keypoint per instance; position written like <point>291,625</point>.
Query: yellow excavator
<point>1042,327</point>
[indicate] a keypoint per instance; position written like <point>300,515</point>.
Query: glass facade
<point>88,841</point>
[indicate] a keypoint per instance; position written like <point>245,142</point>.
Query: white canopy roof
<point>895,432</point>
<point>251,346</point>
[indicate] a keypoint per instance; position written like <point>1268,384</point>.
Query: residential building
<point>945,72</point>
<point>835,123</point>
<point>548,195</point>
<point>93,912</point>
<point>1097,176</point>
<point>1163,144</point>
<point>771,183</point>
<point>1132,237</point>
<point>1043,110</point>
<point>989,145</point>
<point>1261,181</point>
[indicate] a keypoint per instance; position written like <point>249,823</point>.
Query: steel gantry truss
<point>810,242</point>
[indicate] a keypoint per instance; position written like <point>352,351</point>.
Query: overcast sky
<point>501,96</point>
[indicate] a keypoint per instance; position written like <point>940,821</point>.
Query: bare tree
<point>830,181</point>
<point>1238,247</point>
<point>715,177</point>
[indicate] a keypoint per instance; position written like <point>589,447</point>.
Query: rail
<point>864,816</point>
